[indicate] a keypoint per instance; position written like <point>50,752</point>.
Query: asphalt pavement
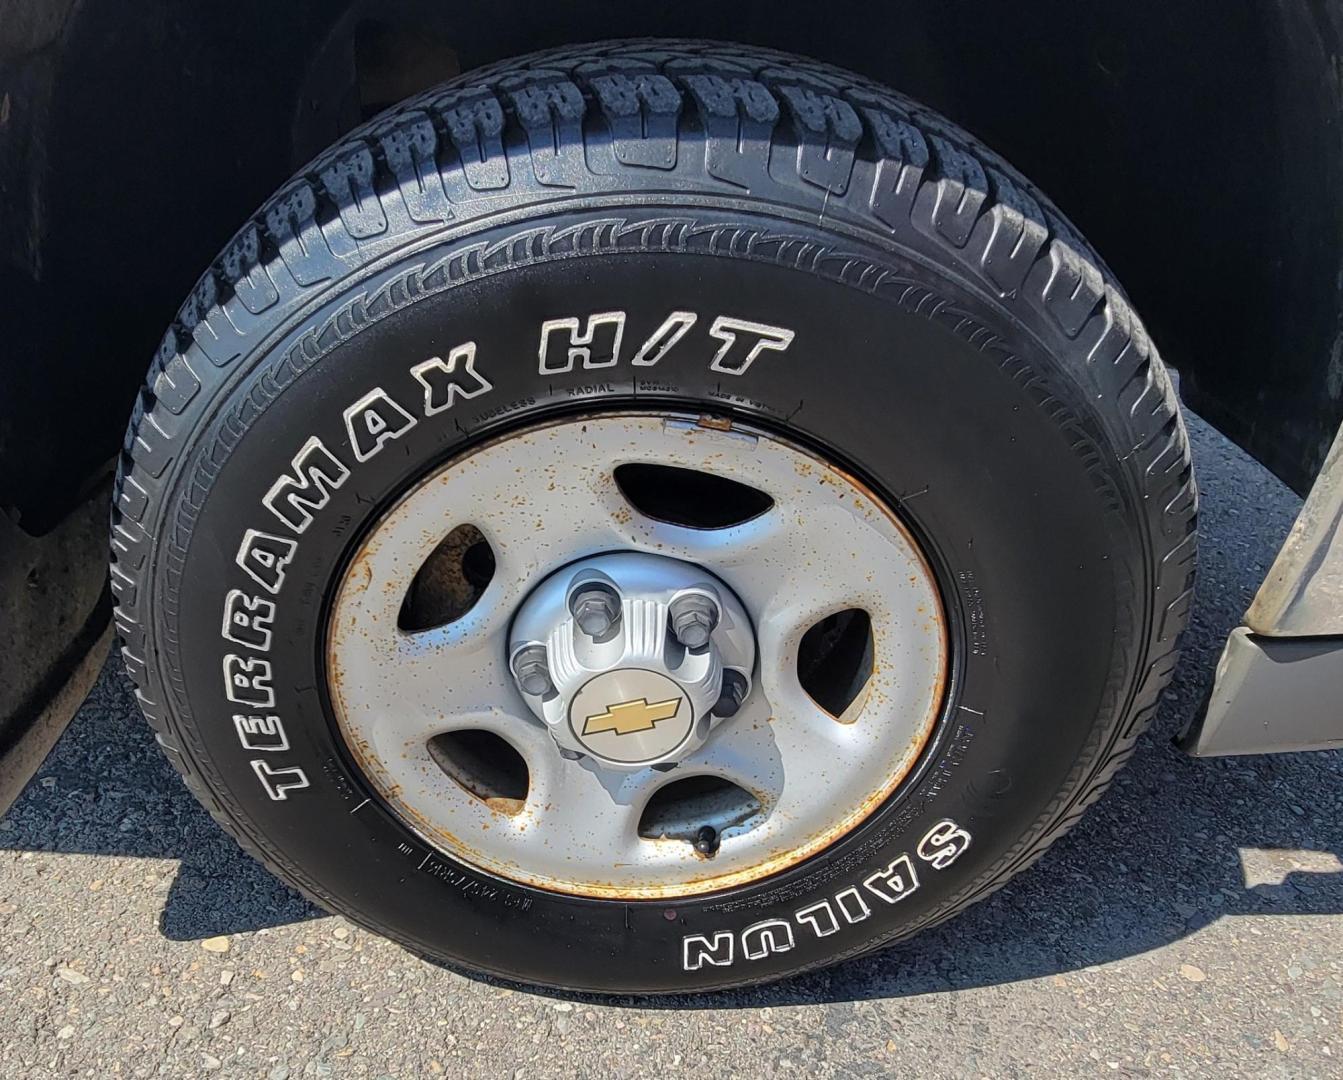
<point>1192,924</point>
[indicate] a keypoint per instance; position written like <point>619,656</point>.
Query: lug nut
<point>732,694</point>
<point>596,608</point>
<point>693,618</point>
<point>532,671</point>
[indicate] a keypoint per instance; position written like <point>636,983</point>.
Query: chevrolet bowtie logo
<point>631,716</point>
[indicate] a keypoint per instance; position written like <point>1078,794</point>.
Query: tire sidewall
<point>989,452</point>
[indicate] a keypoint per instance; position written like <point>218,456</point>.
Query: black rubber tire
<point>957,344</point>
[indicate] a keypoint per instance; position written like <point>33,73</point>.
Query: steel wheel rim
<point>816,777</point>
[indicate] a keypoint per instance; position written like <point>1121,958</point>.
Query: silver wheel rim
<point>547,497</point>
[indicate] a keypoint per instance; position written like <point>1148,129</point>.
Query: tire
<point>955,343</point>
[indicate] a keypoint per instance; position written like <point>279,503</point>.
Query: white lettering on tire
<point>376,419</point>
<point>247,681</point>
<point>296,496</point>
<point>664,338</point>
<point>940,846</point>
<point>763,938</point>
<point>597,345</point>
<point>697,950</point>
<point>264,556</point>
<point>279,782</point>
<point>897,882</point>
<point>261,733</point>
<point>247,620</point>
<point>373,420</point>
<point>444,384</point>
<point>943,844</point>
<point>754,339</point>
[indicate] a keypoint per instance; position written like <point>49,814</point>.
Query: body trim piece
<point>1303,592</point>
<point>1271,695</point>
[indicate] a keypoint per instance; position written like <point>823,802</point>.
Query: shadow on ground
<point>1163,854</point>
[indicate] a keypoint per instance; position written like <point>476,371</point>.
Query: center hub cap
<point>631,659</point>
<point>631,716</point>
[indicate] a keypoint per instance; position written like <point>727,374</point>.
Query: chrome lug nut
<point>693,619</point>
<point>532,671</point>
<point>596,608</point>
<point>732,694</point>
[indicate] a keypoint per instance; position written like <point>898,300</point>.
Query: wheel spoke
<point>438,672</point>
<point>580,808</point>
<point>778,739</point>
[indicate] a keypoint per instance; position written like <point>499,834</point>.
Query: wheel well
<point>1196,153</point>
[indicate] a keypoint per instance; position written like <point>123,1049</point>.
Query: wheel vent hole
<point>834,663</point>
<point>687,497</point>
<point>680,809</point>
<point>485,766</point>
<point>450,582</point>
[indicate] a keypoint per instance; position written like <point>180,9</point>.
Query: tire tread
<point>602,116</point>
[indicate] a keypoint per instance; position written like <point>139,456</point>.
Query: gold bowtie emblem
<point>631,716</point>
